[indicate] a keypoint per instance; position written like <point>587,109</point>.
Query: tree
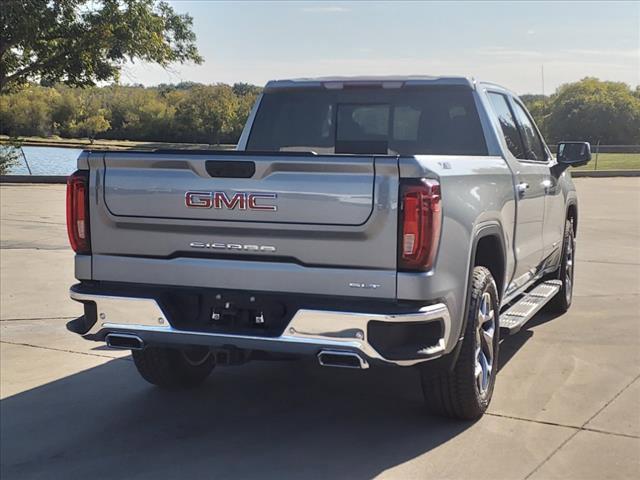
<point>538,106</point>
<point>80,42</point>
<point>28,111</point>
<point>64,110</point>
<point>242,89</point>
<point>94,124</point>
<point>9,155</point>
<point>206,114</point>
<point>594,110</point>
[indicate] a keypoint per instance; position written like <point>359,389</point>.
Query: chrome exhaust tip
<point>342,359</point>
<point>124,341</point>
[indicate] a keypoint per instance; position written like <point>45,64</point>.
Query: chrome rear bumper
<point>308,332</point>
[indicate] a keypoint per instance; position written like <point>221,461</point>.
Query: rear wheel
<point>562,301</point>
<point>465,392</point>
<point>174,368</point>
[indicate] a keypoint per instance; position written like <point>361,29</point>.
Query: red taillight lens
<point>421,218</point>
<point>78,212</point>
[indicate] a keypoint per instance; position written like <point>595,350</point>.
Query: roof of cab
<point>392,81</point>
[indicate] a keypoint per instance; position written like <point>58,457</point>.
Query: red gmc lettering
<point>254,196</point>
<point>239,199</point>
<point>198,199</point>
<point>220,200</point>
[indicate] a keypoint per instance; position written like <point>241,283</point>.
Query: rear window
<point>428,120</point>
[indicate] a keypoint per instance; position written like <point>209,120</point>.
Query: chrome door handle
<point>522,188</point>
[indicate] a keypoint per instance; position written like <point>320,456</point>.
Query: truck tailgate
<point>305,189</point>
<point>276,222</point>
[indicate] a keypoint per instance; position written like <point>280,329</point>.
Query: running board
<point>512,320</point>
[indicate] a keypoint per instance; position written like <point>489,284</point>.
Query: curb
<point>54,179</point>
<point>605,173</point>
<point>33,179</point>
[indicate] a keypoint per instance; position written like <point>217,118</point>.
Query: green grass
<point>613,161</point>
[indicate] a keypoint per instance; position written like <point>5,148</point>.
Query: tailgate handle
<point>230,169</point>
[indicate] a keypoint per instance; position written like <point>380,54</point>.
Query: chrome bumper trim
<point>308,331</point>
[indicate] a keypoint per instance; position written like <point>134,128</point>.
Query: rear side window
<point>532,141</point>
<point>407,121</point>
<point>508,124</point>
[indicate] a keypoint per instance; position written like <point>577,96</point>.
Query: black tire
<point>173,368</point>
<point>561,302</point>
<point>459,393</point>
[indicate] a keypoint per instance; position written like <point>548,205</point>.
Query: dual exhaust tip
<point>342,359</point>
<point>124,341</point>
<point>326,358</point>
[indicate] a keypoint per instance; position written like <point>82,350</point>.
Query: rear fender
<point>484,230</point>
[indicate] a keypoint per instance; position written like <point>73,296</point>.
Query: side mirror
<point>574,154</point>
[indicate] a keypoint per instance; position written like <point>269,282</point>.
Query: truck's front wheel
<point>174,368</point>
<point>465,391</point>
<point>562,301</point>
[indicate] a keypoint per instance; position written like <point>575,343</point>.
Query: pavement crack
<point>615,434</point>
<point>36,318</point>
<point>26,247</point>
<point>31,221</point>
<point>604,295</point>
<point>585,428</point>
<point>556,424</point>
<point>607,262</point>
<point>128,359</point>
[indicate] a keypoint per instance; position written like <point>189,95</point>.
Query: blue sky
<point>504,42</point>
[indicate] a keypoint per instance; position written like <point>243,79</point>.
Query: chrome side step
<point>512,320</point>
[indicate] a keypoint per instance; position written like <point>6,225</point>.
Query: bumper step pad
<point>521,312</point>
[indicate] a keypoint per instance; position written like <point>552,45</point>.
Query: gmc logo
<point>239,200</point>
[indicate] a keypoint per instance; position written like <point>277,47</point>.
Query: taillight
<point>78,212</point>
<point>421,218</point>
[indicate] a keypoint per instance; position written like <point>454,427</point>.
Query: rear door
<point>290,222</point>
<point>554,208</point>
<point>529,192</point>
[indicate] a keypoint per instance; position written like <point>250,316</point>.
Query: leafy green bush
<point>9,156</point>
<point>592,110</point>
<point>190,113</point>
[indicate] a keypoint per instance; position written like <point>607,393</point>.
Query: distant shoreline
<point>606,161</point>
<point>111,144</point>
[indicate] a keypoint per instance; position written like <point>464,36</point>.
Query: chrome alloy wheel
<point>568,269</point>
<point>485,330</point>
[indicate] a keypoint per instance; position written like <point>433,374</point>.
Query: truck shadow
<point>267,419</point>
<point>510,345</point>
<point>272,420</point>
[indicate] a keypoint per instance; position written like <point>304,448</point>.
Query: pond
<point>47,161</point>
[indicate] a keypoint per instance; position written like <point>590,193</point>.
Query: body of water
<point>47,161</point>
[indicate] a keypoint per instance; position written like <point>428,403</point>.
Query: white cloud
<point>508,52</point>
<point>571,54</point>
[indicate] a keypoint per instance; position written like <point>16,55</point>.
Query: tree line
<point>591,110</point>
<point>53,54</point>
<point>190,113</point>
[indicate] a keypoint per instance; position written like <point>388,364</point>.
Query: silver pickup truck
<point>402,221</point>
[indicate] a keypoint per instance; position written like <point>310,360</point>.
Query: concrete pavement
<point>566,404</point>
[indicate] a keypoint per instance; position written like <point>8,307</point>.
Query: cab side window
<point>508,124</point>
<point>534,149</point>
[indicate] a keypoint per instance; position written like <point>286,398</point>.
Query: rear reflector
<point>78,212</point>
<point>420,224</point>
